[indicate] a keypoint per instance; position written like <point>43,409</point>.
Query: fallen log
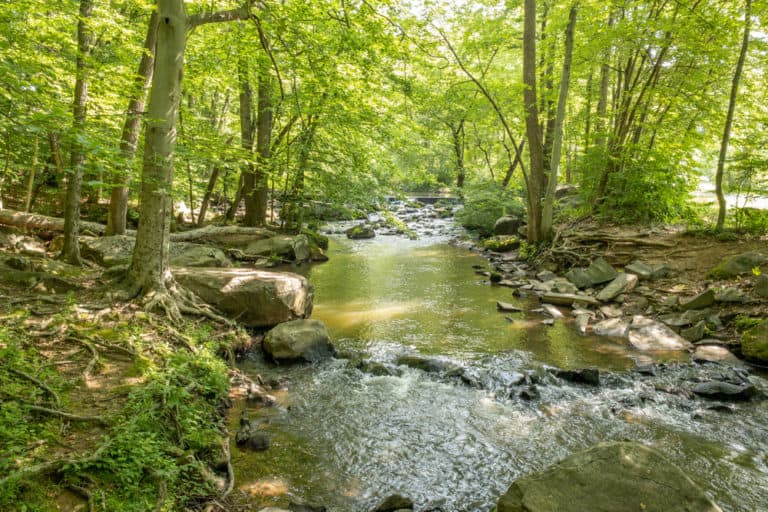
<point>35,222</point>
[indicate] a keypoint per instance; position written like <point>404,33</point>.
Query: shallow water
<point>346,439</point>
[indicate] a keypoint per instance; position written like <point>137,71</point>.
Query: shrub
<point>484,203</point>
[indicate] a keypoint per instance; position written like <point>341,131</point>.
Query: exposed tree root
<point>230,470</point>
<point>94,355</point>
<point>38,383</point>
<point>67,415</point>
<point>52,465</point>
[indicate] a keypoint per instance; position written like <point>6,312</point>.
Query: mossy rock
<point>501,243</point>
<point>738,265</point>
<point>316,238</point>
<point>754,343</point>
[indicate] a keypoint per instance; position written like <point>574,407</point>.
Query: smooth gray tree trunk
<point>557,132</point>
<point>70,253</point>
<point>129,140</point>
<point>729,118</point>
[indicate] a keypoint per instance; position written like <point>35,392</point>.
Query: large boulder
<point>255,298</point>
<point>738,265</point>
<point>754,343</point>
<point>112,251</point>
<point>609,477</point>
<point>508,225</point>
<point>291,247</point>
<point>298,340</point>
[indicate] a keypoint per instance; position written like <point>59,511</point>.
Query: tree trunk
<point>256,201</point>
<point>32,173</point>
<point>118,203</point>
<point>458,148</point>
<point>248,175</point>
<point>557,132</point>
<point>535,177</point>
<point>729,118</point>
<point>207,197</point>
<point>70,253</point>
<point>149,271</point>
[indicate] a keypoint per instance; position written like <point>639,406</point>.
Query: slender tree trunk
<point>71,250</point>
<point>458,149</point>
<point>256,202</point>
<point>729,118</point>
<point>207,197</point>
<point>118,203</point>
<point>32,173</point>
<point>246,141</point>
<point>602,102</point>
<point>557,132</point>
<point>535,177</point>
<point>149,270</point>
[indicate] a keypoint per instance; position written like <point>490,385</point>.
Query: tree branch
<point>241,13</point>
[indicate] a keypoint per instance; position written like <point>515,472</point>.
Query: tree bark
<point>248,175</point>
<point>118,203</point>
<point>256,199</point>
<point>729,118</point>
<point>149,271</point>
<point>557,131</point>
<point>535,176</point>
<point>458,149</point>
<point>32,173</point>
<point>70,253</point>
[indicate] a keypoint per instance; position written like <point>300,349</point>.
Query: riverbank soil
<point>689,256</point>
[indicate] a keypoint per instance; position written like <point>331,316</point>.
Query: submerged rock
<point>254,298</point>
<point>394,503</point>
<point>590,376</point>
<point>305,340</point>
<point>719,390</point>
<point>430,365</point>
<point>609,477</point>
<point>250,437</point>
<point>360,231</point>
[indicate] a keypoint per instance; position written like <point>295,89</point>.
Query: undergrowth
<point>163,446</point>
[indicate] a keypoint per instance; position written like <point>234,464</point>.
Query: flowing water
<point>346,439</point>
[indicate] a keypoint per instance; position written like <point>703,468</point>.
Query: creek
<point>346,439</point>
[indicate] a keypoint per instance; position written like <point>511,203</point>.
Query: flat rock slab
<point>646,271</point>
<point>622,283</point>
<point>648,334</point>
<point>112,251</point>
<point>600,271</point>
<point>716,354</point>
<point>700,301</point>
<point>615,327</point>
<point>609,477</point>
<point>254,298</point>
<point>567,299</point>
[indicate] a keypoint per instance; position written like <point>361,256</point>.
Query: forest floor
<point>106,407</point>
